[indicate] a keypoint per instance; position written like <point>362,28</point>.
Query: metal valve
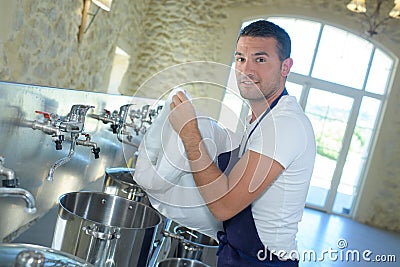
<point>50,126</point>
<point>88,142</point>
<point>73,123</point>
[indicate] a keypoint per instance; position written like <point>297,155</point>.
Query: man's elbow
<point>222,215</point>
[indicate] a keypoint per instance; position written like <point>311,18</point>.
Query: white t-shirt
<point>285,135</point>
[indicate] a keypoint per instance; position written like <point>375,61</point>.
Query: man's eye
<point>240,59</point>
<point>261,59</point>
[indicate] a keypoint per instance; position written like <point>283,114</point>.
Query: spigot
<point>113,118</point>
<point>11,180</point>
<point>154,112</point>
<point>140,113</point>
<point>21,193</point>
<point>114,128</point>
<point>138,117</point>
<point>126,133</point>
<point>118,122</point>
<point>72,123</point>
<point>58,139</point>
<point>96,152</point>
<point>123,112</point>
<point>143,118</point>
<point>120,116</point>
<point>88,142</point>
<point>10,189</point>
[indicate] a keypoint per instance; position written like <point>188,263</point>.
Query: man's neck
<point>258,107</point>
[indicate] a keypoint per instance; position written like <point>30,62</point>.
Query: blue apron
<point>239,244</point>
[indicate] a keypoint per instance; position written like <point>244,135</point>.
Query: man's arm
<point>225,196</point>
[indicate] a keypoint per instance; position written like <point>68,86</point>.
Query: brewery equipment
<point>10,188</point>
<point>105,230</point>
<point>73,123</point>
<point>26,255</point>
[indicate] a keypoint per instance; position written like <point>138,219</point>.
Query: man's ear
<point>286,66</point>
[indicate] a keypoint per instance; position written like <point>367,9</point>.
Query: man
<point>261,199</point>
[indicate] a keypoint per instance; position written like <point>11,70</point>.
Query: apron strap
<point>240,244</point>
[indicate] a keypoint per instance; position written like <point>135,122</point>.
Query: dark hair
<point>263,28</point>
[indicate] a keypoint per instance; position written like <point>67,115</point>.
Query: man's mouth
<point>249,82</point>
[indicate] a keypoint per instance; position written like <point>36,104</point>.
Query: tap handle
<point>78,113</point>
<point>46,115</point>
<point>124,108</point>
<point>145,111</point>
<point>107,112</point>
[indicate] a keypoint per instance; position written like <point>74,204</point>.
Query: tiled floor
<point>324,240</point>
<point>331,240</point>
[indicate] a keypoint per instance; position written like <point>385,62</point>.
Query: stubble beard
<point>254,94</point>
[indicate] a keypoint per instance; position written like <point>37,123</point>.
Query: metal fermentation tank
<point>30,153</point>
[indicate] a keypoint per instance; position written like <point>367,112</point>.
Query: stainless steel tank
<point>27,255</point>
<point>191,244</point>
<point>119,181</point>
<point>105,230</point>
<point>181,262</point>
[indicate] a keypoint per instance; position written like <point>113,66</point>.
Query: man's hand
<point>183,116</point>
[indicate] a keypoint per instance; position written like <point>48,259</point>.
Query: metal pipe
<point>103,118</point>
<point>21,193</point>
<point>48,129</point>
<point>8,173</point>
<point>58,163</point>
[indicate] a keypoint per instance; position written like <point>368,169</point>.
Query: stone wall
<point>41,47</point>
<point>380,199</point>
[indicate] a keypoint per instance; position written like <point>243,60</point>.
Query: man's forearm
<point>212,183</point>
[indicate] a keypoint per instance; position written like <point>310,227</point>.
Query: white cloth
<point>285,135</point>
<point>162,169</point>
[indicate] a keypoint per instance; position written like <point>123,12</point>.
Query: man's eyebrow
<point>261,53</point>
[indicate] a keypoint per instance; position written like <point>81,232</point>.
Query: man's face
<point>259,72</point>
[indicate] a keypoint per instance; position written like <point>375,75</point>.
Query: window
<point>341,81</point>
<point>120,66</point>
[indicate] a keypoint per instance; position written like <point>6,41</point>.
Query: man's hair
<point>263,28</point>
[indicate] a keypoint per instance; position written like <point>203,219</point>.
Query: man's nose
<point>246,68</point>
